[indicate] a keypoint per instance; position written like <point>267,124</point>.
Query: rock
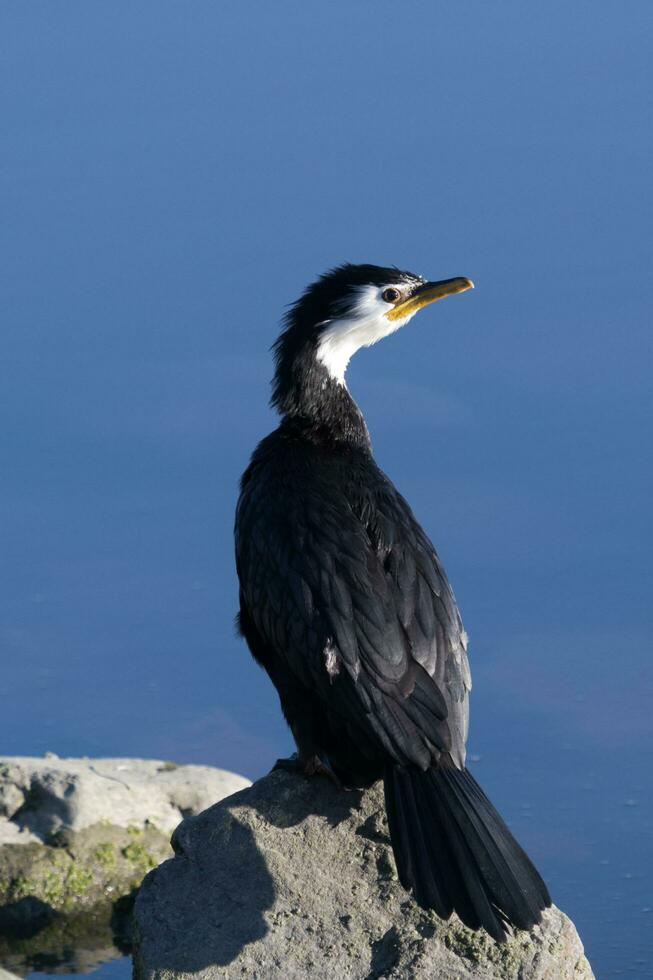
<point>40,797</point>
<point>293,878</point>
<point>78,836</point>
<point>6,975</point>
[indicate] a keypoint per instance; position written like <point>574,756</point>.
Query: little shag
<point>345,603</point>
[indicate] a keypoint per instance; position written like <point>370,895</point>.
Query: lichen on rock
<point>76,838</point>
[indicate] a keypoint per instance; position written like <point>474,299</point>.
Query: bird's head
<point>349,307</point>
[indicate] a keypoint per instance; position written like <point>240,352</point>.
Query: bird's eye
<point>391,295</point>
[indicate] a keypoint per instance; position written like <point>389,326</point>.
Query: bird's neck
<point>318,406</point>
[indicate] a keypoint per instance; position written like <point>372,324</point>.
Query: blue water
<point>172,179</point>
<point>118,969</point>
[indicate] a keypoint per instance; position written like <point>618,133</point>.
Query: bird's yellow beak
<point>428,293</point>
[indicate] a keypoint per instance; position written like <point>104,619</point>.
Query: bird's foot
<point>309,765</point>
<point>315,765</point>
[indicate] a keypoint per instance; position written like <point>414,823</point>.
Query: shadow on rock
<point>294,878</point>
<point>296,797</point>
<point>219,884</point>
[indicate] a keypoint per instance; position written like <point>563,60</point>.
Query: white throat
<point>362,327</point>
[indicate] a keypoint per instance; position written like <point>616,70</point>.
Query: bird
<point>346,605</point>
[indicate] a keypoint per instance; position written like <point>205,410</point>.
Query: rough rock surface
<point>39,797</point>
<point>77,837</point>
<point>293,879</point>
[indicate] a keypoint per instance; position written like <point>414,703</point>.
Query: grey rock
<point>77,837</point>
<point>294,879</point>
<point>40,797</point>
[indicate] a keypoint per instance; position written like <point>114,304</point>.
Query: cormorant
<point>345,603</point>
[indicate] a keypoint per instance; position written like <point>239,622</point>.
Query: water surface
<point>173,181</point>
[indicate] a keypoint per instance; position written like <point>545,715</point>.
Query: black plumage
<point>345,603</point>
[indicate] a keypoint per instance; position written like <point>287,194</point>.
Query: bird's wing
<point>347,589</point>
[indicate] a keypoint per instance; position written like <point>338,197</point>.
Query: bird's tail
<point>455,852</point>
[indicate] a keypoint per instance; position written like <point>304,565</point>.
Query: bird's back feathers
<point>332,564</point>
